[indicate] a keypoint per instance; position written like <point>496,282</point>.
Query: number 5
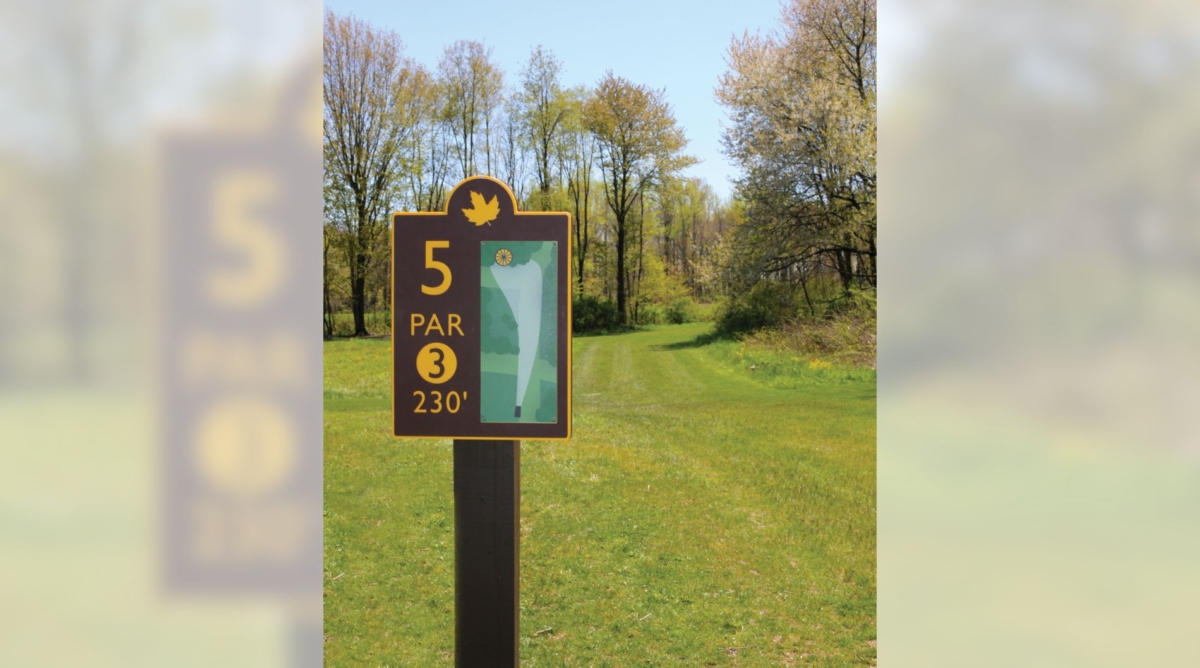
<point>241,225</point>
<point>431,263</point>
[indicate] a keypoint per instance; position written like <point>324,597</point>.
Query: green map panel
<point>518,337</point>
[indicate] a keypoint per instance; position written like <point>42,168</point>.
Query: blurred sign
<point>481,325</point>
<point>241,375</point>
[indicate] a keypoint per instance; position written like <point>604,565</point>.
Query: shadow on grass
<point>698,342</point>
<point>625,329</point>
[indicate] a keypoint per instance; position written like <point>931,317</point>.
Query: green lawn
<point>703,514</point>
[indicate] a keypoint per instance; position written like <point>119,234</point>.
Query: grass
<point>847,341</point>
<point>705,311</point>
<point>783,368</point>
<point>704,514</point>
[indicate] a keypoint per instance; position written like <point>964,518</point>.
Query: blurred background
<point>160,428</point>
<point>160,373</point>
<point>1039,312</point>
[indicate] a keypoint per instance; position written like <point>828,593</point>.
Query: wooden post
<point>487,509</point>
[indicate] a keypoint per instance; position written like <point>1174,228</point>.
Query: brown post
<point>487,509</point>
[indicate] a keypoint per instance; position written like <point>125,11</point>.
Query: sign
<point>481,319</point>
<point>239,382</point>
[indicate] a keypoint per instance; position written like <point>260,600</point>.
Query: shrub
<point>590,313</point>
<point>844,336</point>
<point>649,313</point>
<point>706,311</point>
<point>767,304</point>
<point>680,311</point>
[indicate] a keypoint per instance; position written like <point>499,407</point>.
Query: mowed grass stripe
<point>584,371</point>
<point>697,517</point>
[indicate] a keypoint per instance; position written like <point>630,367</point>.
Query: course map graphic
<point>518,331</point>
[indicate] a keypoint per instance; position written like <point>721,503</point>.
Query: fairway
<point>698,517</point>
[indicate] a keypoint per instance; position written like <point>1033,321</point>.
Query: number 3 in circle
<point>436,363</point>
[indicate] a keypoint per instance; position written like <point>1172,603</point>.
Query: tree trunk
<point>581,232</point>
<point>872,265</point>
<point>621,319</point>
<point>325,291</point>
<point>845,271</point>
<point>581,237</point>
<point>358,300</point>
<point>328,313</point>
<point>635,288</point>
<point>812,312</point>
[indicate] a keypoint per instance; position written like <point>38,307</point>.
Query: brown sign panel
<point>481,319</point>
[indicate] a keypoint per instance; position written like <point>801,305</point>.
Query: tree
<point>576,161</point>
<point>426,151</point>
<point>638,143</point>
<point>802,106</point>
<point>327,280</point>
<point>366,90</point>
<point>511,163</point>
<point>543,108</point>
<point>473,87</point>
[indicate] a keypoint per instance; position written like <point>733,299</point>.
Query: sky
<point>673,45</point>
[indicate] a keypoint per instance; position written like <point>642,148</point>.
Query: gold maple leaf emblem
<point>481,211</point>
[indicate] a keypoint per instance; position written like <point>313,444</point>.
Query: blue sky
<point>673,45</point>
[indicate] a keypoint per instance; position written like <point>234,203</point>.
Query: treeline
<point>798,239</point>
<point>398,135</point>
<point>802,104</point>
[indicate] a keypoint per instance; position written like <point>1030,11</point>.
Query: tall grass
<point>779,317</point>
<point>378,323</point>
<point>845,339</point>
